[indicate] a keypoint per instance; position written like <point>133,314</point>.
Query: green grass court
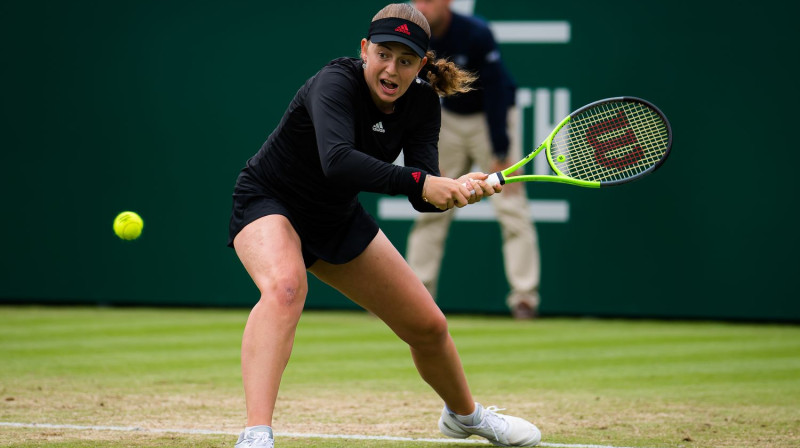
<point>620,383</point>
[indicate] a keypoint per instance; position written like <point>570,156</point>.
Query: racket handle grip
<point>496,179</point>
<point>493,179</point>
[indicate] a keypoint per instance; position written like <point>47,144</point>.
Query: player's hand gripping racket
<point>608,142</point>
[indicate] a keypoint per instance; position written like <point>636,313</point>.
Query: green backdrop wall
<point>154,106</point>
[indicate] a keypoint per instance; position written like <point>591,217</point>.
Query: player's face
<point>391,68</point>
<point>433,10</point>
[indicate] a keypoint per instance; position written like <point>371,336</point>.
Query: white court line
<point>282,434</point>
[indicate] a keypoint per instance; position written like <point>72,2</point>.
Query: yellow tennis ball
<point>128,225</point>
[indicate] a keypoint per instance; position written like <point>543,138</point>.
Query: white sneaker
<point>253,439</point>
<point>501,430</point>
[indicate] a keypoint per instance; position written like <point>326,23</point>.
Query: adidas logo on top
<point>378,127</point>
<point>403,29</point>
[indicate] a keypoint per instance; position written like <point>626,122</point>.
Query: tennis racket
<point>608,142</point>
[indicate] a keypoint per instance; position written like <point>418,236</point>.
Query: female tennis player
<point>295,209</point>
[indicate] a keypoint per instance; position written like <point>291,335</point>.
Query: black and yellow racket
<point>608,142</point>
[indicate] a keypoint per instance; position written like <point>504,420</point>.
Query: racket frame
<point>505,176</point>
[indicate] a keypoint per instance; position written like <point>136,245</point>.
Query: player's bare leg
<point>395,295</point>
<point>270,250</point>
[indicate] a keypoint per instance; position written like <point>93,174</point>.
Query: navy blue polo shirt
<point>469,43</point>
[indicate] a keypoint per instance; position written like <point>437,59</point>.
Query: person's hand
<point>500,165</point>
<point>479,188</point>
<point>445,193</point>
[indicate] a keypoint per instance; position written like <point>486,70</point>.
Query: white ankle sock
<point>471,419</point>
<point>259,428</point>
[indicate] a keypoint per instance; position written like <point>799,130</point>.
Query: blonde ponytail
<point>446,77</point>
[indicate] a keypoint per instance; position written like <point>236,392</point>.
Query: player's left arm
<point>420,145</point>
<point>420,148</point>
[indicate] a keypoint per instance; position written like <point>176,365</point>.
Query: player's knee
<point>285,291</point>
<point>430,332</point>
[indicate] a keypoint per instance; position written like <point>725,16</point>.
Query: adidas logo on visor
<point>403,29</point>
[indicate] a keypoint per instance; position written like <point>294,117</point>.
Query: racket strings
<point>610,141</point>
<point>605,146</point>
<point>608,145</point>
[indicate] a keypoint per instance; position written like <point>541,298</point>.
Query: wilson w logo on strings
<point>602,147</point>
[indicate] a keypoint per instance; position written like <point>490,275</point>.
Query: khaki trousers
<point>463,142</point>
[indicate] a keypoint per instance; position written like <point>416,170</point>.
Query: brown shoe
<point>523,311</point>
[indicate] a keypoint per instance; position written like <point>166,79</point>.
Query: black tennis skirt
<point>335,241</point>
